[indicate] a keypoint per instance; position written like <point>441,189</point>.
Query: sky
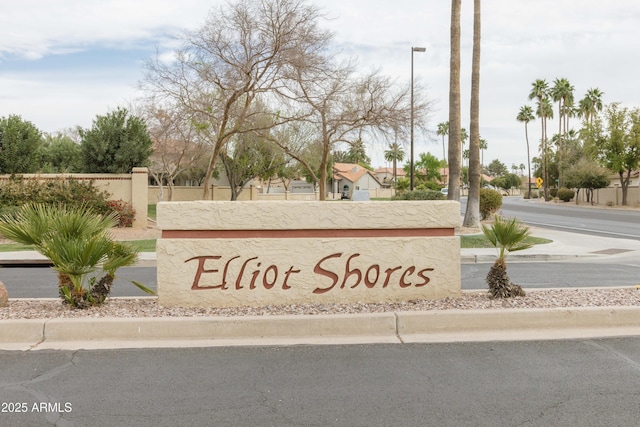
<point>62,62</point>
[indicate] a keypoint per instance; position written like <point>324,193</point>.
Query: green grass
<point>151,211</point>
<point>475,241</point>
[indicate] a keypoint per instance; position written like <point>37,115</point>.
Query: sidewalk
<point>396,327</point>
<point>564,246</point>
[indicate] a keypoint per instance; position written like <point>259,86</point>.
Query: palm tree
<point>472,214</point>
<point>545,111</point>
<point>562,93</point>
<point>540,91</point>
<point>454,104</point>
<point>526,115</point>
<point>78,243</point>
<point>507,236</point>
<point>358,152</point>
<point>394,154</point>
<point>465,153</point>
<point>590,104</point>
<point>443,129</point>
<point>483,146</point>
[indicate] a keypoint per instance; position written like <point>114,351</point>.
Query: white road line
<point>540,224</point>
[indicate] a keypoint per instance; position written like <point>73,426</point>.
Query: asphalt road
<point>536,383</point>
<point>42,282</point>
<point>615,223</point>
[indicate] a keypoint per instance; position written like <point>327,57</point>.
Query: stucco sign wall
<point>225,254</point>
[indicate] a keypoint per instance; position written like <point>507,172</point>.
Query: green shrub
<point>553,193</point>
<point>490,202</point>
<point>124,210</point>
<point>565,194</point>
<point>17,192</point>
<point>419,195</point>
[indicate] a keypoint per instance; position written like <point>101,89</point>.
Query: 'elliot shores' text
<point>338,270</point>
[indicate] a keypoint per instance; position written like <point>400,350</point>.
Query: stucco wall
<point>264,253</point>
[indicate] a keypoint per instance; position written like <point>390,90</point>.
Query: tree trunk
<point>472,214</point>
<point>500,285</point>
<point>526,134</point>
<point>455,142</point>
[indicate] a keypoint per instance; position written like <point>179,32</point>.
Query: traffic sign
<point>539,182</point>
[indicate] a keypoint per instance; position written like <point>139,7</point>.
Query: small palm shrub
<point>78,243</point>
<point>506,235</point>
<point>565,194</point>
<point>490,202</point>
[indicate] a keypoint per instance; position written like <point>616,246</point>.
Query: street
<point>605,222</point>
<point>536,383</point>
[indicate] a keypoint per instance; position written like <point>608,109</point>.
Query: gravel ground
<point>148,307</point>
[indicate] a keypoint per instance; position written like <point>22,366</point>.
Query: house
<point>350,176</point>
<point>385,175</point>
<point>634,180</point>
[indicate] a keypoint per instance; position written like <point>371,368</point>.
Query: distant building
<point>350,176</point>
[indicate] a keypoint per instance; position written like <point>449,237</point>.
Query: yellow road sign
<point>539,182</point>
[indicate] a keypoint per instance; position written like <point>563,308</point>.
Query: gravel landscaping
<point>148,307</point>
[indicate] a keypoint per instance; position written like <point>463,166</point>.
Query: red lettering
<point>421,274</point>
<point>224,272</point>
<point>389,272</point>
<point>408,272</point>
<point>265,282</point>
<point>368,283</point>
<point>201,269</point>
<point>331,275</point>
<point>286,277</point>
<point>348,273</point>
<point>239,279</point>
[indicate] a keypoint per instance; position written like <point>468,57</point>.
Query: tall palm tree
<point>443,130</point>
<point>593,103</point>
<point>483,146</point>
<point>394,154</point>
<point>465,155</point>
<point>540,91</point>
<point>562,93</point>
<point>455,146</point>
<point>525,116</point>
<point>545,111</point>
<point>472,214</point>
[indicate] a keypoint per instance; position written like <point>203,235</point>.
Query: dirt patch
<point>134,233</point>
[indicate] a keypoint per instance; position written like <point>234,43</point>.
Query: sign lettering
<point>337,270</point>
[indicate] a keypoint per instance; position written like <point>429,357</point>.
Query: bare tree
<point>176,144</point>
<point>341,106</point>
<point>245,50</point>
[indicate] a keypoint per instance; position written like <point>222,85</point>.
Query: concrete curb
<point>481,258</point>
<point>397,327</point>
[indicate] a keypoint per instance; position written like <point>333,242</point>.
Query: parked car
<point>444,191</point>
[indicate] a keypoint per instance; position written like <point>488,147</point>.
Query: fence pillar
<point>140,196</point>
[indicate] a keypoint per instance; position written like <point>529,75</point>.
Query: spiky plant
<point>78,243</point>
<point>506,235</point>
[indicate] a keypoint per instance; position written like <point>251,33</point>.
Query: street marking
<point>634,236</point>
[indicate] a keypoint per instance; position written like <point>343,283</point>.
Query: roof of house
<point>351,172</point>
<point>399,171</point>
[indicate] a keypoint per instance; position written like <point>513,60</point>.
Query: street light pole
<point>413,49</point>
